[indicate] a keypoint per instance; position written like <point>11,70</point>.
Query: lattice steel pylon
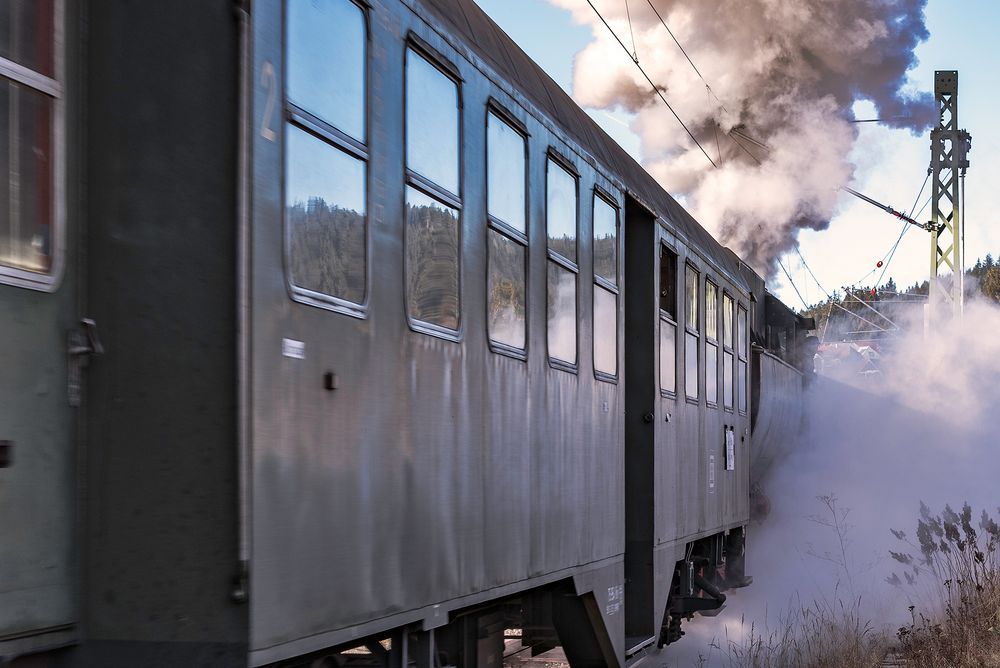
<point>949,159</point>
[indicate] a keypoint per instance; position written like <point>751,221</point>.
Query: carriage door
<point>38,310</point>
<point>640,410</point>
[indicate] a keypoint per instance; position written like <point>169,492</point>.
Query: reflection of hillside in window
<point>327,249</point>
<point>432,195</point>
<point>325,152</point>
<point>431,260</point>
<point>560,226</point>
<point>325,215</point>
<point>506,290</point>
<point>605,240</point>
<point>506,199</point>
<point>560,221</point>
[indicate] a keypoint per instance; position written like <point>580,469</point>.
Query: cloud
<point>786,74</point>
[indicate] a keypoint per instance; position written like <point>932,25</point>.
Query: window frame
<point>425,186</point>
<point>294,115</point>
<point>552,156</point>
<point>55,89</point>
<point>696,330</point>
<point>728,347</point>
<point>665,316</point>
<point>502,114</point>
<point>600,282</point>
<point>712,341</point>
<point>742,357</point>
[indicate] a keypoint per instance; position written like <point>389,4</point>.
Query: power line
<point>792,283</point>
<point>745,149</point>
<point>653,85</point>
<point>635,53</point>
<point>887,257</point>
<point>806,265</point>
<point>711,92</point>
<point>691,62</point>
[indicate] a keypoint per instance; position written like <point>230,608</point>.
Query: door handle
<point>83,342</point>
<point>647,418</point>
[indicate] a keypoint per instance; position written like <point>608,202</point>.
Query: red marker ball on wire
<point>879,263</point>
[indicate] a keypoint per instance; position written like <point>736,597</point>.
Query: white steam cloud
<point>925,429</point>
<point>784,73</point>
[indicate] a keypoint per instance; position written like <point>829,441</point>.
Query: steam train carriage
<point>375,340</point>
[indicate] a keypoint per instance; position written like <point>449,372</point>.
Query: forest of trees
<point>868,311</point>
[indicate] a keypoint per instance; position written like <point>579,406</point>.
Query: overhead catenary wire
<point>635,53</point>
<point>902,233</point>
<point>792,283</point>
<point>690,62</point>
<point>829,296</point>
<point>711,92</point>
<point>745,149</point>
<point>655,88</point>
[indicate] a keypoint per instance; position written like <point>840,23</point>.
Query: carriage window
<point>560,223</point>
<point>26,28</point>
<point>326,62</point>
<point>506,169</point>
<point>727,321</point>
<point>561,211</point>
<point>605,287</point>
<point>711,344</point>
<point>605,331</point>
<point>668,316</point>
<point>326,159</point>
<point>508,243</point>
<point>691,292</point>
<point>433,242</point>
<point>325,214</point>
<point>562,313</point>
<point>691,336</point>
<point>506,301</point>
<point>605,240</point>
<point>29,95</point>
<point>668,354</point>
<point>727,355</point>
<point>741,333</point>
<point>431,260</point>
<point>431,123</point>
<point>712,373</point>
<point>742,352</point>
<point>711,310</point>
<point>668,282</point>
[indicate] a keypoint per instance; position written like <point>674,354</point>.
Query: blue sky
<point>891,164</point>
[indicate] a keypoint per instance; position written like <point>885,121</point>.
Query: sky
<point>890,165</point>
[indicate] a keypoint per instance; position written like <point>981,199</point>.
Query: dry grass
<point>957,623</point>
<point>813,637</point>
<point>951,573</point>
<point>829,632</point>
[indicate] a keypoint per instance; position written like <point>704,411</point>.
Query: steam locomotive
<point>335,333</point>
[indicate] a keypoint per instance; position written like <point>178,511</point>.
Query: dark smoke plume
<point>784,73</point>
